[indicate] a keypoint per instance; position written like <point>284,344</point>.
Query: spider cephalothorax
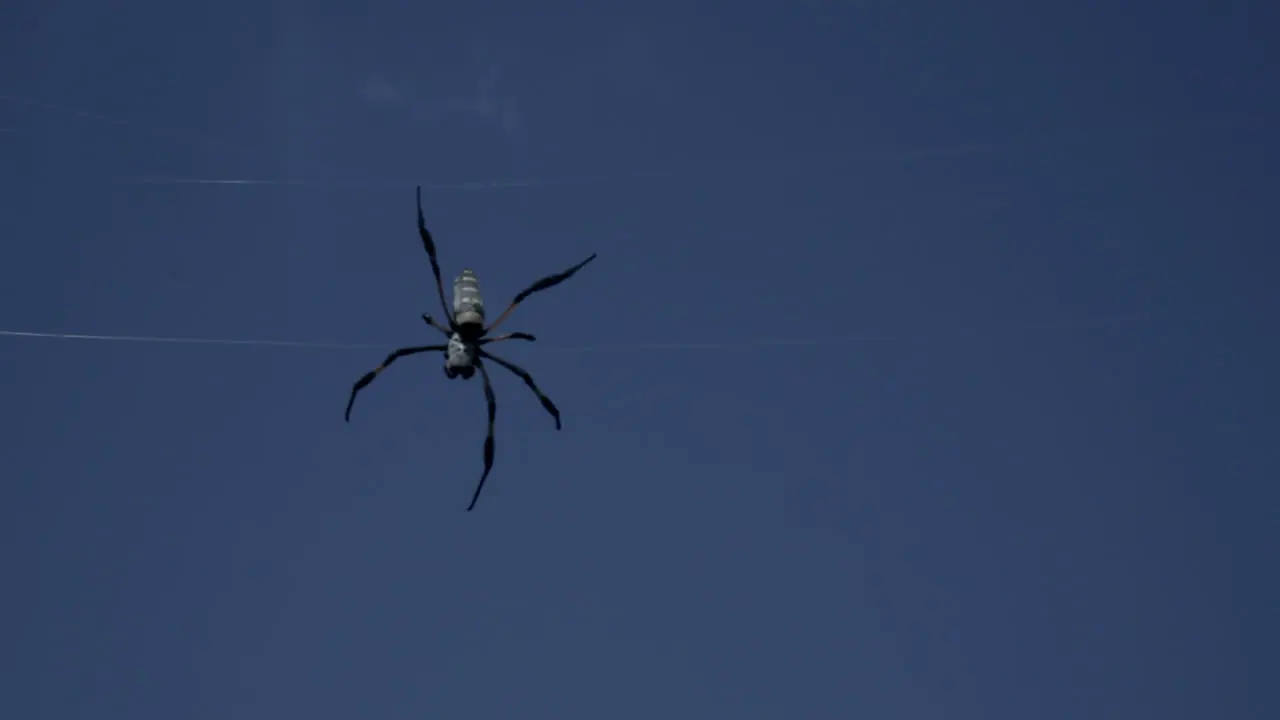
<point>464,353</point>
<point>460,358</point>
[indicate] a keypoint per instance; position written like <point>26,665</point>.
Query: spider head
<point>459,358</point>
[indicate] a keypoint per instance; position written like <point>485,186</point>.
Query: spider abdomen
<point>468,303</point>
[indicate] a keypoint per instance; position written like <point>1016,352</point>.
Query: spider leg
<point>430,246</point>
<point>492,402</point>
<point>508,336</point>
<point>546,282</point>
<point>369,376</point>
<point>528,380</point>
<point>432,322</point>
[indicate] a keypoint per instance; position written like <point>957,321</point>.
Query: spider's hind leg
<point>429,244</point>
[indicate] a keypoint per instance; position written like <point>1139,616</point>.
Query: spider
<point>468,337</point>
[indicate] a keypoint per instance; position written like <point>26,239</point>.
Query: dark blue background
<point>1014,463</point>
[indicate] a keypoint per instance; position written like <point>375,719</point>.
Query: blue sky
<point>922,372</point>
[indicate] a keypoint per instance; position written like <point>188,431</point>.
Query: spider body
<point>465,352</point>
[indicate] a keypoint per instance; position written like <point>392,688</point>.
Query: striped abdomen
<point>468,304</point>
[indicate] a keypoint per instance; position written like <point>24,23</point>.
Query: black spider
<point>467,338</point>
